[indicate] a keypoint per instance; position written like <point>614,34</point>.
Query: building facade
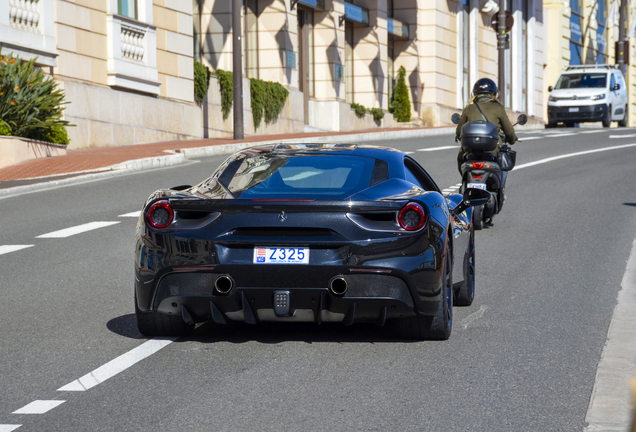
<point>338,52</point>
<point>127,65</point>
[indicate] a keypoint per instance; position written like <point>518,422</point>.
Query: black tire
<point>623,123</point>
<point>569,124</point>
<point>607,121</point>
<point>551,125</point>
<point>439,326</point>
<point>478,219</point>
<point>152,323</point>
<point>466,293</point>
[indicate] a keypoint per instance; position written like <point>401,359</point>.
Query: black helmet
<point>485,85</point>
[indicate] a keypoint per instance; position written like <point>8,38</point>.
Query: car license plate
<point>574,109</point>
<point>481,186</point>
<point>281,255</point>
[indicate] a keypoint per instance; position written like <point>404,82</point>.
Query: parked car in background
<point>588,93</point>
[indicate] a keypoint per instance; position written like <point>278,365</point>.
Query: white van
<point>588,93</point>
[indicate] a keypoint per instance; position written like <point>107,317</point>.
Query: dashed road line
<point>593,131</point>
<point>530,138</point>
<point>39,407</point>
<point>134,214</point>
<point>623,136</point>
<point>542,161</point>
<point>560,135</point>
<point>5,249</point>
<point>9,427</point>
<point>67,232</point>
<point>437,148</point>
<point>118,365</point>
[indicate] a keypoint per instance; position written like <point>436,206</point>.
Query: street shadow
<point>275,333</point>
<point>269,332</point>
<point>125,325</point>
<point>630,204</point>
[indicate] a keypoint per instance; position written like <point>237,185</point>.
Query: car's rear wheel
<point>623,123</point>
<point>466,293</point>
<point>153,324</point>
<point>607,121</point>
<point>439,326</point>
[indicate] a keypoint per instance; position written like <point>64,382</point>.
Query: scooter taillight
<point>477,176</point>
<point>478,165</point>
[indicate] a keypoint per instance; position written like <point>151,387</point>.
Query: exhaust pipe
<point>338,286</point>
<point>223,285</point>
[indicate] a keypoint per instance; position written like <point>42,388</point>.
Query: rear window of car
<point>582,80</point>
<point>304,177</point>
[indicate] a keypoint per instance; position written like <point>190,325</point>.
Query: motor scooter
<point>482,170</point>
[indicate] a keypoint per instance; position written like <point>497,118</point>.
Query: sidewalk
<point>85,163</point>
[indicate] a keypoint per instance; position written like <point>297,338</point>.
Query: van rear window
<point>582,80</point>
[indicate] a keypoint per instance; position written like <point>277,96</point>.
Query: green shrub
<point>378,113</point>
<point>360,110</point>
<point>5,129</point>
<point>226,84</point>
<point>401,101</point>
<point>57,135</point>
<point>268,98</point>
<point>201,82</point>
<point>31,103</point>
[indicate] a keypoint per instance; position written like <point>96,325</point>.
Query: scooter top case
<point>479,136</point>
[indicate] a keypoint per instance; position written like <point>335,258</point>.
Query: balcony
<point>132,54</point>
<point>27,30</point>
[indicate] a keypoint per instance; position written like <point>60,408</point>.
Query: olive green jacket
<point>495,113</point>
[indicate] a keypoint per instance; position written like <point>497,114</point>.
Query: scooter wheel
<point>478,219</point>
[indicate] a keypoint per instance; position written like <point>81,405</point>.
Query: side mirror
<point>617,86</point>
<point>550,88</point>
<point>455,118</point>
<point>472,197</point>
<point>522,119</point>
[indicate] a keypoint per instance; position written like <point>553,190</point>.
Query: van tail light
<point>412,217</point>
<point>478,165</point>
<point>160,214</point>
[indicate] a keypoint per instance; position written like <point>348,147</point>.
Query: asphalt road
<point>523,357</point>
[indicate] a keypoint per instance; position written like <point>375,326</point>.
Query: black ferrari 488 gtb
<point>307,233</point>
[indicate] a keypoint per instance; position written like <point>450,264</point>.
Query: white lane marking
<point>118,365</point>
<point>8,427</point>
<point>542,161</point>
<point>560,135</point>
<point>623,136</point>
<point>5,249</point>
<point>39,407</point>
<point>592,131</point>
<point>470,319</point>
<point>77,229</point>
<point>529,138</point>
<point>409,152</point>
<point>134,214</point>
<point>438,148</point>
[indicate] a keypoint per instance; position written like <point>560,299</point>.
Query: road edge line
<point>611,405</point>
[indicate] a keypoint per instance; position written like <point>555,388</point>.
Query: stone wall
<point>105,117</point>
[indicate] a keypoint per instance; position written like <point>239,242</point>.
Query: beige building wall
<point>117,95</point>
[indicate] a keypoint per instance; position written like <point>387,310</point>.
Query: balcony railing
<point>132,54</point>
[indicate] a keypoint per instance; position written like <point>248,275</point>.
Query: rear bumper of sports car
<point>255,293</point>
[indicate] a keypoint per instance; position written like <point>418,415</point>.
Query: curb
<point>182,155</point>
<point>611,407</point>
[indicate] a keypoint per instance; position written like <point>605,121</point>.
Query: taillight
<point>478,165</point>
<point>412,217</point>
<point>160,214</point>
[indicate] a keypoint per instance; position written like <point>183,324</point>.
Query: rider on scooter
<point>485,98</point>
